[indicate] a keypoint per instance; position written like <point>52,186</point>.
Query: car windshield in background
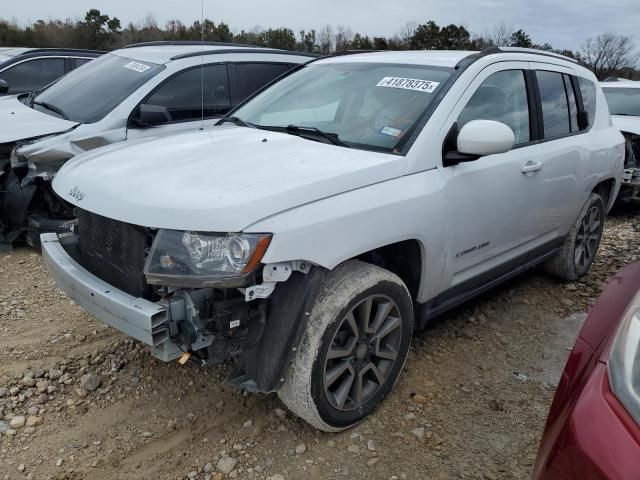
<point>4,58</point>
<point>623,101</point>
<point>87,94</point>
<point>364,105</point>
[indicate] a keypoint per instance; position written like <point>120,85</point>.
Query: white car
<point>139,91</point>
<point>353,200</point>
<point>623,98</point>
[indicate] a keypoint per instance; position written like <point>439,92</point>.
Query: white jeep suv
<point>332,214</point>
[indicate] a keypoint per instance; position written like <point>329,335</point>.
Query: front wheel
<point>581,243</point>
<point>353,349</point>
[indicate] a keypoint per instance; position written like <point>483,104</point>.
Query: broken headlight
<point>624,361</point>
<point>197,259</point>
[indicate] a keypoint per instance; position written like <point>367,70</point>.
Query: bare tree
<point>500,34</point>
<point>407,32</point>
<point>608,54</point>
<point>343,39</point>
<point>326,40</point>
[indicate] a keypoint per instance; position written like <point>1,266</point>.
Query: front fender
<point>329,231</point>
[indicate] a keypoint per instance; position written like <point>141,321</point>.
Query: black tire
<point>353,291</point>
<point>579,250</point>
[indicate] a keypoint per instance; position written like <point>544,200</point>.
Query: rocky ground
<point>79,400</point>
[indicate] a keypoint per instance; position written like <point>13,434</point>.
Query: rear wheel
<point>354,347</point>
<point>581,243</point>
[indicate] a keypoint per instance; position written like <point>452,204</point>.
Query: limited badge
<point>414,84</point>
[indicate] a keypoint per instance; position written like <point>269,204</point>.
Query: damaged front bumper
<point>631,177</point>
<point>260,335</point>
<point>139,318</point>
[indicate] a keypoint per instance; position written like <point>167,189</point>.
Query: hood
<point>20,122</point>
<point>627,124</point>
<point>223,179</point>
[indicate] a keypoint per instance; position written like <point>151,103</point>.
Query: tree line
<point>607,54</point>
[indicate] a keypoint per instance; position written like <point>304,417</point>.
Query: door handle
<point>531,167</point>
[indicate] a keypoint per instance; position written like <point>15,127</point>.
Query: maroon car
<point>593,429</point>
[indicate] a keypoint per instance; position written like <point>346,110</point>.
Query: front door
<point>490,202</point>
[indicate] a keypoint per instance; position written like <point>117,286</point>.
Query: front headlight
<point>197,259</point>
<point>624,361</point>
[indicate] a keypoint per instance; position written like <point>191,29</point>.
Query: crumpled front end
<point>631,175</point>
<point>103,266</point>
<point>28,203</point>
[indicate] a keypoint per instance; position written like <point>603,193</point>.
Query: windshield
<point>623,101</point>
<point>367,105</point>
<point>4,58</point>
<point>89,93</point>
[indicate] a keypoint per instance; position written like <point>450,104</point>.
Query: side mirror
<point>150,115</point>
<point>4,86</point>
<point>485,137</point>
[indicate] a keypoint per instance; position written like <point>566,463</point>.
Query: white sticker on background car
<point>137,67</point>
<point>415,84</point>
<point>392,132</point>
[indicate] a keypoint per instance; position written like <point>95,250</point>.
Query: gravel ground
<point>79,400</point>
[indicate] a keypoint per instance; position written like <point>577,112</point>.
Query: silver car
<point>144,90</point>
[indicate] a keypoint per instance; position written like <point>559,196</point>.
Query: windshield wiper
<point>313,131</point>
<point>30,99</point>
<point>235,121</point>
<point>53,108</point>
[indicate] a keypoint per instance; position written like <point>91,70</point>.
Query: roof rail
<point>243,50</point>
<point>534,51</point>
<point>160,43</point>
<point>65,50</point>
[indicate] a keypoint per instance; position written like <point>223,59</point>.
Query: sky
<point>562,23</point>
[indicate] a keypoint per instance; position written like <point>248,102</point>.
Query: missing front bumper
<point>139,318</point>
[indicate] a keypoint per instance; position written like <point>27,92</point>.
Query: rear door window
<point>33,74</point>
<point>185,99</point>
<point>555,107</point>
<point>248,78</point>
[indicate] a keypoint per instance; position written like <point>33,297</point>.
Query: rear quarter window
<point>588,92</point>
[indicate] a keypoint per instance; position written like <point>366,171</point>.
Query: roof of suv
<point>17,51</point>
<point>164,52</point>
<point>621,84</point>
<point>438,58</point>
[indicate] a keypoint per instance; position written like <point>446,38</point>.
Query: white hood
<point>626,123</point>
<point>19,122</point>
<point>223,180</point>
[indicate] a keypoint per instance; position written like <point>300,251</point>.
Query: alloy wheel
<point>362,352</point>
<point>587,238</point>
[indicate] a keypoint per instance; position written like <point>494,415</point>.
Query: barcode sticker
<point>137,67</point>
<point>414,84</point>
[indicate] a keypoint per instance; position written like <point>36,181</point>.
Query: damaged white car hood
<point>626,123</point>
<point>19,122</point>
<point>222,179</point>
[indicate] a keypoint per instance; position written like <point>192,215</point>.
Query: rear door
<point>246,78</point>
<point>563,151</point>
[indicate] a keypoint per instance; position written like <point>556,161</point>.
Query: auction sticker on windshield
<point>137,67</point>
<point>415,84</point>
